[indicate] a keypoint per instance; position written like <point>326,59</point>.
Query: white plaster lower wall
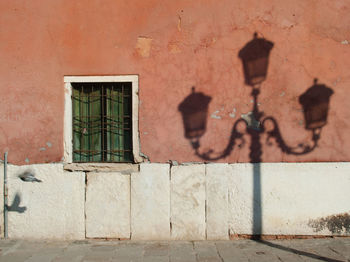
<point>107,206</point>
<point>150,202</point>
<point>188,202</point>
<point>51,209</point>
<point>295,198</point>
<point>217,219</point>
<point>193,201</point>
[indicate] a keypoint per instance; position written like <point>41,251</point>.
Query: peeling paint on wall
<point>215,115</point>
<point>174,162</point>
<point>146,158</point>
<point>336,81</point>
<point>233,113</point>
<point>143,46</point>
<point>336,224</point>
<point>179,23</point>
<point>174,48</point>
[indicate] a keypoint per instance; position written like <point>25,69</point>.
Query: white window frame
<point>68,129</point>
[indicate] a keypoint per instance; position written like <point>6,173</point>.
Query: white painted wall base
<point>150,202</point>
<point>293,196</point>
<point>193,201</point>
<point>107,205</point>
<point>53,208</point>
<point>188,202</point>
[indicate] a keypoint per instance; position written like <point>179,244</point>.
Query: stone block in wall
<point>150,202</point>
<point>240,202</point>
<point>295,198</point>
<point>107,205</point>
<point>188,202</point>
<point>51,209</point>
<point>217,201</point>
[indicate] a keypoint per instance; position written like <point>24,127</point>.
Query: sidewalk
<point>332,249</point>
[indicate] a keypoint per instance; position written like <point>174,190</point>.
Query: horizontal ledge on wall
<point>102,167</point>
<point>102,78</point>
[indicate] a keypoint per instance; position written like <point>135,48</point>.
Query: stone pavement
<point>331,249</point>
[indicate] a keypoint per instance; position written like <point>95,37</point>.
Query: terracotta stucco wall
<point>172,46</point>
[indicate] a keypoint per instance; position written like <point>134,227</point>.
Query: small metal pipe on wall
<point>5,196</point>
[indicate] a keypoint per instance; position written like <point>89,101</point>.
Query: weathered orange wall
<point>172,46</point>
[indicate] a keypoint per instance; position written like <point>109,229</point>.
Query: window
<point>101,119</point>
<point>102,122</point>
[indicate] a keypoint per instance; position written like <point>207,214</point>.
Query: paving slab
<point>181,251</point>
<point>156,250</point>
<point>230,251</point>
<point>206,251</point>
<point>333,250</point>
<point>16,257</point>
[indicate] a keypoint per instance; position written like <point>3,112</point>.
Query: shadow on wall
<point>15,205</point>
<point>255,60</point>
<point>26,176</point>
<point>194,111</point>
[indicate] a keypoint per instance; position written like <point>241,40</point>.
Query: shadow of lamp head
<point>194,110</point>
<point>255,59</point>
<point>315,102</point>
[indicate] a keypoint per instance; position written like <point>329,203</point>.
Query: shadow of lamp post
<point>255,59</point>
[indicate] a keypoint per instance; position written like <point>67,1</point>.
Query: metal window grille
<point>102,122</point>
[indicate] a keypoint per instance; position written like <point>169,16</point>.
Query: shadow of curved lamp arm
<point>237,139</point>
<point>235,135</point>
<point>301,149</point>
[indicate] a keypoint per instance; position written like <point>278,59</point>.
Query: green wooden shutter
<point>102,124</point>
<point>118,117</point>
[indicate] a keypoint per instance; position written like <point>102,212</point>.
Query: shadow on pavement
<point>298,252</point>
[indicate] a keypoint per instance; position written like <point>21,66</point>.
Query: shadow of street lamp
<point>255,60</point>
<point>194,111</point>
<point>315,102</point>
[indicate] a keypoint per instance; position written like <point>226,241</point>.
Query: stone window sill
<point>123,168</point>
